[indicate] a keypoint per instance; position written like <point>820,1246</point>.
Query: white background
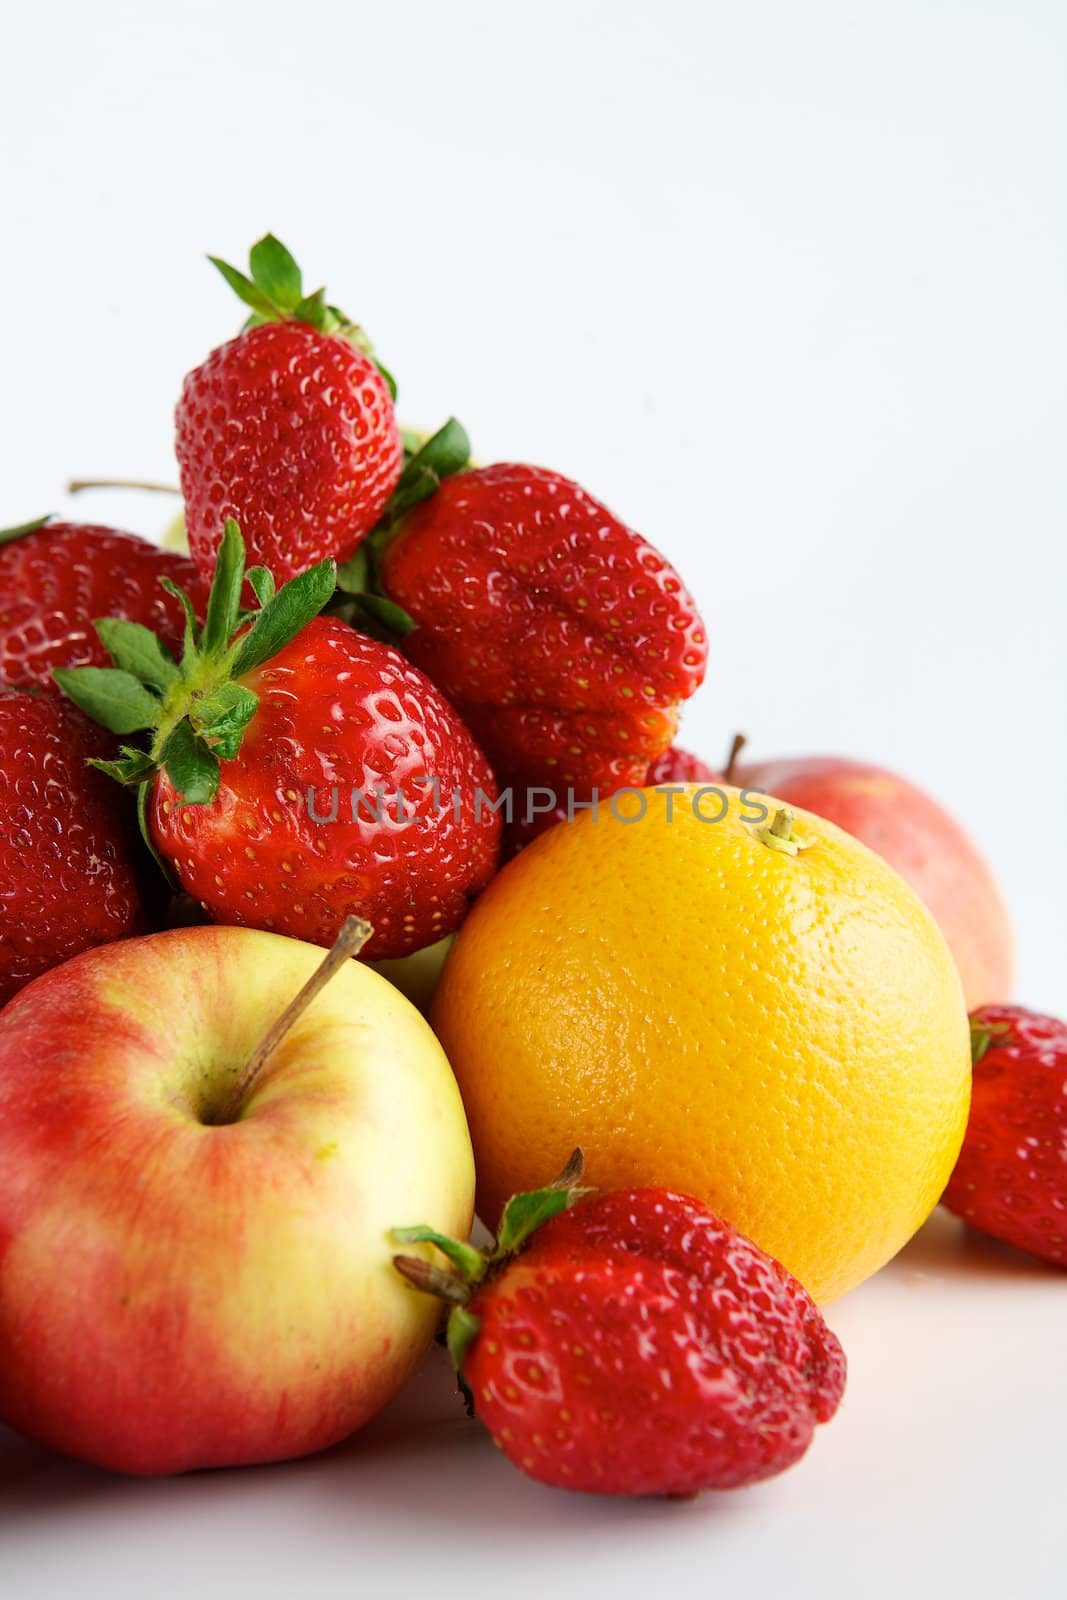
<point>783,283</point>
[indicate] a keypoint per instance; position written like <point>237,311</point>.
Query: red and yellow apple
<point>921,840</point>
<point>181,1291</point>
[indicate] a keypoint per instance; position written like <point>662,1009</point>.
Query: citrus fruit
<point>761,1015</point>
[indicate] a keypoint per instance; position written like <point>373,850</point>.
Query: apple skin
<point>177,1295</point>
<point>921,841</point>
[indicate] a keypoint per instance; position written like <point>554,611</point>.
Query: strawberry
<point>633,1344</point>
<point>1011,1178</point>
<point>67,879</point>
<point>289,427</point>
<point>564,639</point>
<point>297,770</point>
<point>678,766</point>
<point>55,577</point>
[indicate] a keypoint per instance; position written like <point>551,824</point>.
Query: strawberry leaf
<point>525,1213</point>
<point>282,618</point>
<point>190,765</point>
<point>224,601</point>
<point>110,696</point>
<point>390,381</point>
<point>461,1330</point>
<point>262,582</point>
<point>313,310</point>
<point>982,1036</point>
<point>386,613</point>
<point>221,718</point>
<point>247,291</point>
<point>468,1262</point>
<point>447,452</point>
<point>133,767</point>
<point>354,576</point>
<point>144,794</point>
<point>192,626</point>
<point>9,534</point>
<point>137,650</point>
<point>275,272</point>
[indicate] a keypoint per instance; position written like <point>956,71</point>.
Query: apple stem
<point>76,485</point>
<point>739,743</point>
<point>349,942</point>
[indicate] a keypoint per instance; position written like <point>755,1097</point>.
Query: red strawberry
<point>565,640</point>
<point>635,1345</point>
<point>289,427</point>
<point>1011,1177</point>
<point>678,766</point>
<point>57,577</point>
<point>66,876</point>
<point>298,770</point>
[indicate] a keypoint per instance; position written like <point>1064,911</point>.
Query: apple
<point>921,840</point>
<point>195,1262</point>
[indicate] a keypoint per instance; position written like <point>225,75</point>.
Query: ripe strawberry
<point>298,770</point>
<point>1011,1178</point>
<point>289,427</point>
<point>634,1344</point>
<point>56,577</point>
<point>678,766</point>
<point>66,876</point>
<point>565,640</point>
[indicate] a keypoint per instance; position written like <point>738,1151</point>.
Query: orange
<point>776,1028</point>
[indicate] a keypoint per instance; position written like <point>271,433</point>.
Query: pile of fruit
<point>419,714</point>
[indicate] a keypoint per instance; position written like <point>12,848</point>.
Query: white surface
<point>942,1476</point>
<point>782,283</point>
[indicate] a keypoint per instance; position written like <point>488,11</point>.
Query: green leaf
<point>247,291</point>
<point>412,442</point>
<point>314,311</point>
<point>262,582</point>
<point>110,696</point>
<point>282,618</point>
<point>190,765</point>
<point>192,627</point>
<point>468,1262</point>
<point>982,1036</point>
<point>387,614</point>
<point>224,601</point>
<point>144,794</point>
<point>8,534</point>
<point>137,650</point>
<point>354,575</point>
<point>461,1330</point>
<point>134,767</point>
<point>390,381</point>
<point>220,718</point>
<point>445,453</point>
<point>524,1213</point>
<point>275,272</point>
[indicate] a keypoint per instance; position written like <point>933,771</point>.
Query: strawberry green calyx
<point>9,535</point>
<point>982,1036</point>
<point>195,710</point>
<point>779,835</point>
<point>273,289</point>
<point>361,599</point>
<point>522,1216</point>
